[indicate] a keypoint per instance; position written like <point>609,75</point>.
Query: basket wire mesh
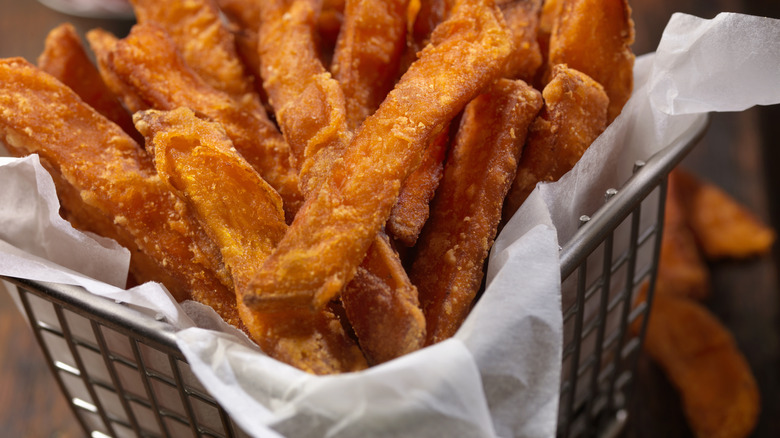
<point>124,376</point>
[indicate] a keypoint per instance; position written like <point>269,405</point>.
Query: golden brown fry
<point>719,394</point>
<point>310,109</point>
<point>333,230</point>
<point>595,37</point>
<point>241,212</point>
<point>448,266</point>
<point>368,52</point>
<point>723,228</point>
<point>102,44</point>
<point>681,269</point>
<point>382,305</point>
<point>204,42</point>
<point>522,16</point>
<point>380,302</point>
<point>308,102</point>
<point>411,211</point>
<point>244,215</point>
<point>64,58</point>
<point>574,114</point>
<point>108,185</point>
<point>147,62</point>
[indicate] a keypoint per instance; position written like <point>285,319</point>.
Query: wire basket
<point>124,375</point>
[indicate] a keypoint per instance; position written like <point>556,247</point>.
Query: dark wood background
<point>739,154</point>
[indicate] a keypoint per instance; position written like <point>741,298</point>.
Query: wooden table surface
<point>739,154</point>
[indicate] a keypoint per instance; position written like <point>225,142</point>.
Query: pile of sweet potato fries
<point>328,176</point>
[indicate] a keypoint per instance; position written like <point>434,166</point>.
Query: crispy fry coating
<point>448,266</point>
<point>722,226</point>
<point>64,58</point>
<point>309,104</point>
<point>411,211</point>
<point>203,40</point>
<point>574,114</point>
<point>333,230</point>
<point>382,305</point>
<point>102,44</point>
<point>682,271</point>
<point>148,63</point>
<point>244,215</point>
<point>595,37</point>
<point>368,53</point>
<point>108,185</point>
<point>522,16</point>
<point>719,394</point>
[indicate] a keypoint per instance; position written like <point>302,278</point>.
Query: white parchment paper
<point>500,375</point>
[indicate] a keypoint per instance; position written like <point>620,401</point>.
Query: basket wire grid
<point>124,376</point>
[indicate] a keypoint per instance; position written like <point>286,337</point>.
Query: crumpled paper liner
<point>500,375</point>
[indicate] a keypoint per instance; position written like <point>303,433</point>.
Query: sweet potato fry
<point>310,108</point>
<point>333,230</point>
<point>368,53</point>
<point>574,114</point>
<point>719,394</point>
<point>147,55</point>
<point>382,305</point>
<point>522,17</point>
<point>681,268</point>
<point>722,226</point>
<point>239,210</point>
<point>244,215</point>
<point>412,209</point>
<point>595,37</point>
<point>108,185</point>
<point>309,104</point>
<point>448,266</point>
<point>203,40</point>
<point>64,58</point>
<point>102,44</point>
